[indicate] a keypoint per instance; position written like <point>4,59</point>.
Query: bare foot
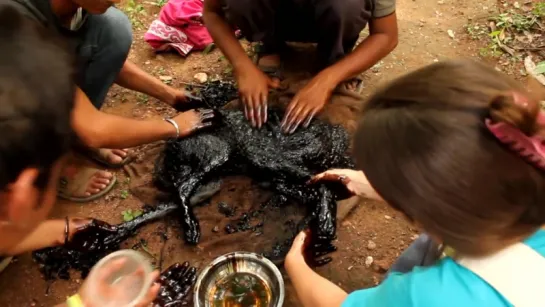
<point>110,157</point>
<point>80,183</point>
<point>352,85</point>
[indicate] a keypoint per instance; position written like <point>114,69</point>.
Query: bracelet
<point>75,301</point>
<point>66,230</point>
<point>171,121</point>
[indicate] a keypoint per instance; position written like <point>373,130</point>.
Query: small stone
<point>346,224</point>
<point>368,261</point>
<point>165,78</point>
<point>387,217</point>
<point>450,33</point>
<point>147,62</point>
<point>201,77</point>
<point>414,237</point>
<point>381,266</point>
<point>216,229</point>
<point>350,268</point>
<point>371,245</point>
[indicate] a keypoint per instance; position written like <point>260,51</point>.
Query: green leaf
<point>124,194</point>
<point>128,215</point>
<point>209,48</point>
<point>137,213</point>
<point>540,68</point>
<point>495,33</point>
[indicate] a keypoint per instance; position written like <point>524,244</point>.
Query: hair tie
<point>530,148</point>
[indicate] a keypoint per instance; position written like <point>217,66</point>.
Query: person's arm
<point>382,39</point>
<point>136,79</point>
<point>312,289</point>
<point>312,98</point>
<point>224,36</point>
<point>97,129</point>
<point>48,234</point>
<point>253,84</point>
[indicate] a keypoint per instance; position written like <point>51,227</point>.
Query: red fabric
<point>179,27</point>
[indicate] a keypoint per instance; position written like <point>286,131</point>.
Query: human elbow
<point>393,41</point>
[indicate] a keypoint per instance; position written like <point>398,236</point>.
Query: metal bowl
<point>238,262</point>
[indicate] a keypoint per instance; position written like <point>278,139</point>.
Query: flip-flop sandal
<point>271,71</point>
<point>101,159</point>
<point>78,185</point>
<point>4,262</point>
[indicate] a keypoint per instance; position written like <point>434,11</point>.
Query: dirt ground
<point>429,30</point>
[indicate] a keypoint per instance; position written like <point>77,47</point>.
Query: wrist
<point>330,78</point>
<point>293,261</point>
<point>172,128</point>
<point>170,95</point>
<point>243,64</point>
<point>60,232</point>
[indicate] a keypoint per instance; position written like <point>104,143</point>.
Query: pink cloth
<point>179,27</point>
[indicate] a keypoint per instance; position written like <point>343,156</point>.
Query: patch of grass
<point>228,71</point>
<point>510,32</point>
<point>160,3</point>
<point>539,9</point>
<point>129,215</point>
<point>514,21</point>
<point>134,11</point>
<point>476,31</point>
<point>142,98</point>
<point>124,194</point>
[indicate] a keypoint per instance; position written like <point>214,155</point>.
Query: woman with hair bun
<point>458,148</point>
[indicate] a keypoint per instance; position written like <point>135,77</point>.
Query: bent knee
<point>116,31</point>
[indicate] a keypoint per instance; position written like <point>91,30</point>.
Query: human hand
<point>116,292</point>
<point>192,121</point>
<point>253,87</point>
<point>176,283</point>
<point>308,102</point>
<point>89,235</point>
<point>303,250</point>
<point>354,181</point>
<point>185,100</point>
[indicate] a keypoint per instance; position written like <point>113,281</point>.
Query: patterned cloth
<point>179,27</point>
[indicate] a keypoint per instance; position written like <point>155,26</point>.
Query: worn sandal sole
<point>4,263</point>
<point>92,197</point>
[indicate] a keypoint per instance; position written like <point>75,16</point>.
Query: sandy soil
<point>424,38</point>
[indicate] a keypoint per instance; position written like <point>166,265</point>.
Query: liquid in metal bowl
<point>238,264</point>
